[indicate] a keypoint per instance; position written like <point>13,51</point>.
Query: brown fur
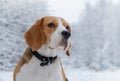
<point>63,74</point>
<point>35,37</point>
<point>25,59</point>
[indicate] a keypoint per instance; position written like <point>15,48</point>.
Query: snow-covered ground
<point>87,75</point>
<point>77,75</point>
<point>6,76</point>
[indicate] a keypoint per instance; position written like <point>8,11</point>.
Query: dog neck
<point>44,60</point>
<point>48,52</point>
<point>35,72</point>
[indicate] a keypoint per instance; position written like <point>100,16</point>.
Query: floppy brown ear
<point>34,37</point>
<point>68,51</point>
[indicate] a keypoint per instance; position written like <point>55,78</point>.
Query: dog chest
<point>34,72</point>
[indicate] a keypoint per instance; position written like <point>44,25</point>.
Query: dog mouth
<point>51,47</point>
<point>63,44</point>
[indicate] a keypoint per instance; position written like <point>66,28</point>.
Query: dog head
<point>52,31</point>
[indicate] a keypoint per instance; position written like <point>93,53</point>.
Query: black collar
<point>45,60</point>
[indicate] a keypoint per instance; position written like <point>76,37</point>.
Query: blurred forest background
<point>95,37</point>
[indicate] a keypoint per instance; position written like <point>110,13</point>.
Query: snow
<point>74,74</point>
<point>6,76</point>
<point>88,75</point>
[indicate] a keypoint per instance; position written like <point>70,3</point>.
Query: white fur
<point>51,72</point>
<point>34,72</point>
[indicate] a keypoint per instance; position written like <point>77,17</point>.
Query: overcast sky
<point>69,9</point>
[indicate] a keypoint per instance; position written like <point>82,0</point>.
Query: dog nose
<point>66,34</point>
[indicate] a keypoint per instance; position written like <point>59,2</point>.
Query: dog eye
<point>51,25</point>
<point>67,27</point>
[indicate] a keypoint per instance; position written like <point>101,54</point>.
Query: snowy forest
<point>95,37</point>
<point>15,18</point>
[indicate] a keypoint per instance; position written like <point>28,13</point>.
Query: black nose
<point>66,34</point>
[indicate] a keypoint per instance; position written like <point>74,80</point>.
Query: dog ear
<point>69,46</point>
<point>34,37</point>
<point>68,50</point>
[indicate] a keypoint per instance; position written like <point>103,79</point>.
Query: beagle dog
<point>40,61</point>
